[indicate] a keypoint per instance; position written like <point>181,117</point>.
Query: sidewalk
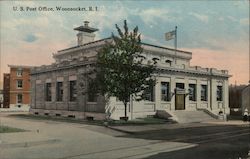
<point>230,122</point>
<point>24,139</point>
<point>133,129</point>
<point>50,139</point>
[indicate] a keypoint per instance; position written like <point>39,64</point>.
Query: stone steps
<point>184,116</point>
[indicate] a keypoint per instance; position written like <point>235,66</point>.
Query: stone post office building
<point>57,88</point>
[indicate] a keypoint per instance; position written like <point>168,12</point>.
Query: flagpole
<point>175,43</point>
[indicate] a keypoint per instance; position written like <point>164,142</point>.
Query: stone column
<point>208,94</point>
<point>158,94</point>
<point>225,97</point>
<point>213,94</point>
<point>172,89</point>
<point>33,91</point>
<point>198,93</point>
<point>186,86</point>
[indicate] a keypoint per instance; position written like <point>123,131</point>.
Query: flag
<point>170,35</point>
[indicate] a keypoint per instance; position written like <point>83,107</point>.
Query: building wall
<point>144,108</point>
<point>65,75</point>
<point>6,90</point>
<point>11,91</point>
<point>25,77</point>
<point>73,62</point>
<point>26,98</point>
<point>1,98</point>
<point>246,99</point>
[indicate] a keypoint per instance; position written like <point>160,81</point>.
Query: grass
<point>58,118</point>
<point>7,129</point>
<point>139,121</point>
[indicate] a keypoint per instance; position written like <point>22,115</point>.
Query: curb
<point>123,131</point>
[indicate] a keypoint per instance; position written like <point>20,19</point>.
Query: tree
<point>122,70</point>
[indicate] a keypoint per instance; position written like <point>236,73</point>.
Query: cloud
<point>26,3</point>
<point>244,21</point>
<point>154,16</point>
<point>30,38</point>
<point>201,17</point>
<point>151,40</point>
<point>149,16</point>
<point>233,19</point>
<point>38,22</point>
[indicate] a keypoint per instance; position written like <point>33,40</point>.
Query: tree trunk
<point>125,104</point>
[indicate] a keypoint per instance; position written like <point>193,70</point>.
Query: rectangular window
<point>179,85</point>
<point>203,92</point>
<point>19,84</point>
<point>219,93</point>
<point>192,92</point>
<point>149,94</point>
<point>59,91</point>
<point>19,72</point>
<point>48,91</point>
<point>72,91</point>
<point>19,98</point>
<point>165,91</point>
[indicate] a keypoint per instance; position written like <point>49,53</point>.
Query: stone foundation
<point>72,114</point>
<point>16,108</point>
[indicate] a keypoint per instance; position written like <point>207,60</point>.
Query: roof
<point>84,44</point>
<point>165,48</point>
<point>111,38</point>
<point>86,29</point>
<point>20,66</point>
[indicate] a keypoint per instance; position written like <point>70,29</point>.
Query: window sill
<point>149,102</point>
<point>191,101</point>
<point>165,102</point>
<point>91,102</point>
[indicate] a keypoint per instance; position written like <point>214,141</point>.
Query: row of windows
<point>192,92</point>
<point>166,93</point>
<point>59,92</point>
<point>149,95</point>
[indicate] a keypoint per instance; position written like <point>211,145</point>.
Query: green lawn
<point>139,121</point>
<point>6,129</point>
<point>58,118</point>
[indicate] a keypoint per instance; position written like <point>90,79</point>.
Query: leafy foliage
<point>122,70</point>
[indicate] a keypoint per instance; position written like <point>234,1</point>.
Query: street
<point>216,142</point>
<point>46,139</point>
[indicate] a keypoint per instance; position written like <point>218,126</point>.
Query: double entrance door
<point>180,96</point>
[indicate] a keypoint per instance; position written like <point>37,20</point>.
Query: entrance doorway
<point>180,96</point>
<point>180,102</point>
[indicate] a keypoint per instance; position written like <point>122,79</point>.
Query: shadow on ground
<point>214,142</point>
<point>237,150</point>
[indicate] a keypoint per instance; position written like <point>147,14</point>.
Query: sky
<point>216,32</point>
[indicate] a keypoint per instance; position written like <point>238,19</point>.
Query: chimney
<point>85,34</point>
